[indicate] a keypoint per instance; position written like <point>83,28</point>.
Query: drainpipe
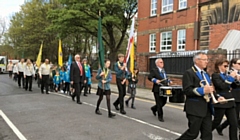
<point>197,20</point>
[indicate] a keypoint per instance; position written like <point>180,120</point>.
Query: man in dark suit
<point>77,77</point>
<point>159,78</point>
<point>197,106</point>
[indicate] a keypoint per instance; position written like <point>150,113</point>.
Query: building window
<point>153,7</point>
<point>181,40</point>
<point>166,41</point>
<point>182,4</point>
<point>152,43</point>
<point>167,6</point>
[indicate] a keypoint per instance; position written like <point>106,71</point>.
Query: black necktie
<point>202,73</point>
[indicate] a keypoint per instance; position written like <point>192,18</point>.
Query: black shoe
<point>73,99</point>
<point>42,92</point>
<point>123,112</point>
<point>98,112</point>
<point>30,90</point>
<point>126,102</point>
<point>79,102</point>
<point>133,107</point>
<point>47,92</point>
<point>160,119</point>
<point>154,112</point>
<point>111,115</point>
<point>116,107</point>
<point>85,95</point>
<point>219,130</point>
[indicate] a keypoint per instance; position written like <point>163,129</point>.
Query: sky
<point>9,7</point>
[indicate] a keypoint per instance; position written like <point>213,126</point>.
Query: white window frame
<point>166,4</point>
<point>153,8</point>
<point>152,43</point>
<point>180,4</point>
<point>165,46</point>
<point>181,37</point>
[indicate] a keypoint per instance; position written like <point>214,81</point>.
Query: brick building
<point>183,25</point>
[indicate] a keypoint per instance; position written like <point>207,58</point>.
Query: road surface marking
<point>154,137</point>
<point>131,118</point>
<point>12,126</point>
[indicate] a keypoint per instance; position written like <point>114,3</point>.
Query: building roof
<point>231,41</point>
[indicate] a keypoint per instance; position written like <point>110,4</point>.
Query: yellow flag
<point>60,55</point>
<point>39,58</point>
<point>132,57</point>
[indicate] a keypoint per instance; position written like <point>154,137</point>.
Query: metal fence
<point>179,62</point>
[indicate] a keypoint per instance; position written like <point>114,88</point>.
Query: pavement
<point>142,93</point>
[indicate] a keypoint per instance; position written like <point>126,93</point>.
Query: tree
<point>3,27</point>
<point>81,16</point>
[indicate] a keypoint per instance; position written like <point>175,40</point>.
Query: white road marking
<point>131,118</point>
<point>154,137</point>
<point>12,126</point>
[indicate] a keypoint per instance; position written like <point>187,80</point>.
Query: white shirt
<point>20,67</point>
<point>15,69</point>
<point>29,70</point>
<point>44,69</point>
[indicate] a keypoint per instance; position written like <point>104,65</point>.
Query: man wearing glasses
<point>159,78</point>
<point>197,106</point>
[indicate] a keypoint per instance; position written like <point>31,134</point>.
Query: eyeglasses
<point>225,66</point>
<point>203,59</point>
<point>238,63</point>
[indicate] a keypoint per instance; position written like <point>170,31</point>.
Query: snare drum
<point>178,96</point>
<point>165,91</point>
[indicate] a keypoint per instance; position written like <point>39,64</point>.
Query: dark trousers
<point>45,83</point>
<point>20,77</point>
<point>232,120</point>
<point>28,82</point>
<point>85,87</point>
<point>121,94</point>
<point>15,77</point>
<point>196,124</point>
<point>77,87</point>
<point>66,87</point>
<point>160,102</point>
<point>237,109</point>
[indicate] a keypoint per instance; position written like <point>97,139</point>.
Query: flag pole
<point>103,76</point>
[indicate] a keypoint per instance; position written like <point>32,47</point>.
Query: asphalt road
<point>56,117</point>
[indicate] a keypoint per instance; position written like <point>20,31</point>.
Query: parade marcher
<point>44,72</point>
<point>15,71</point>
<point>132,82</point>
<point>159,78</point>
<point>234,66</point>
<point>222,83</point>
<point>121,77</point>
<point>104,78</point>
<point>61,73</point>
<point>57,81</point>
<point>66,81</point>
<point>77,77</point>
<point>20,69</point>
<point>29,73</point>
<point>90,80</point>
<point>10,69</point>
<point>87,74</point>
<point>198,106</point>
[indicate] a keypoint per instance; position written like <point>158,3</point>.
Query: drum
<point>165,91</point>
<point>177,95</point>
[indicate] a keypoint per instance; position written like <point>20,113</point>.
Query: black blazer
<point>75,73</point>
<point>194,104</point>
<point>155,73</point>
<point>236,90</point>
<point>222,88</point>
